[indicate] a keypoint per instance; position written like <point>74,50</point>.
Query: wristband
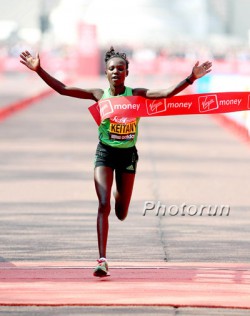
<point>189,81</point>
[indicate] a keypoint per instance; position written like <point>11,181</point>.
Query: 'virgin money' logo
<point>105,107</point>
<point>156,106</point>
<point>208,103</point>
<point>248,102</point>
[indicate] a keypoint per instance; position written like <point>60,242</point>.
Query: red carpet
<point>193,284</point>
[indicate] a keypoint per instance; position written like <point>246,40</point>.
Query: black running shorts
<point>122,159</point>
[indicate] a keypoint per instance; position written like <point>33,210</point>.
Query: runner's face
<point>116,71</point>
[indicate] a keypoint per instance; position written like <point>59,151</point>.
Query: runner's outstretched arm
<point>198,71</point>
<point>33,63</point>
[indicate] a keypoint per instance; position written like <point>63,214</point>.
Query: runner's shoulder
<point>97,94</point>
<point>139,92</point>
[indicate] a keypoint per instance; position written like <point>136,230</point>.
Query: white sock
<point>103,259</point>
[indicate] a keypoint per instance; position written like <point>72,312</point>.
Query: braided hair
<point>112,53</point>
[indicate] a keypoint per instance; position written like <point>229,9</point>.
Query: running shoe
<point>102,269</point>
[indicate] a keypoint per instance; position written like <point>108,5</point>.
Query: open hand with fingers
<point>201,70</point>
<point>29,61</point>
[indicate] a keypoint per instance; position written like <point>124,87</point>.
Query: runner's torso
<point>120,132</point>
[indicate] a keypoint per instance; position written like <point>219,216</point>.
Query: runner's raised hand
<point>29,61</point>
<point>201,70</point>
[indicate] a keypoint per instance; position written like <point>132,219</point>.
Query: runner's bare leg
<point>103,183</point>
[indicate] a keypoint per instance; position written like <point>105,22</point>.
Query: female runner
<point>116,150</point>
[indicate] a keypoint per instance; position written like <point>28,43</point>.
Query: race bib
<point>122,128</point>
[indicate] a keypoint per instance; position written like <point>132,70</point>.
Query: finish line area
<point>130,284</point>
<point>198,265</point>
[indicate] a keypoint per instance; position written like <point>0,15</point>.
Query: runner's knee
<point>121,213</point>
<point>104,208</point>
